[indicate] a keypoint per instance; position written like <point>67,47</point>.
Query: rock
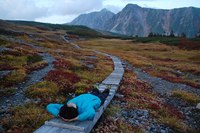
<point>198,106</point>
<point>27,100</point>
<point>145,112</point>
<point>119,95</point>
<point>162,131</point>
<point>1,128</point>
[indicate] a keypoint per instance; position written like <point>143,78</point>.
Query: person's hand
<point>69,120</point>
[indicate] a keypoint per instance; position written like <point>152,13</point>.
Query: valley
<point>46,63</point>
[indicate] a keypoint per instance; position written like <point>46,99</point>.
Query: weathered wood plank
<point>43,129</point>
<point>62,125</point>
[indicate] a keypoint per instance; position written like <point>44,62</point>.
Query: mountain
<point>135,20</point>
<point>95,20</point>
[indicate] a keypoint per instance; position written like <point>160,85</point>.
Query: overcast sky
<point>62,11</point>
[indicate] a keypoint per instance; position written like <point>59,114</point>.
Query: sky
<point>63,11</point>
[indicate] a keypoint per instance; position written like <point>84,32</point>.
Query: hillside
<point>78,30</point>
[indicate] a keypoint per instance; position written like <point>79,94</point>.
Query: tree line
<point>152,34</point>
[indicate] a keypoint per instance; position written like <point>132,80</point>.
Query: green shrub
<point>3,42</point>
<point>81,88</point>
<point>13,61</point>
<point>27,118</point>
<point>34,58</point>
<point>186,96</point>
<point>7,91</point>
<point>112,110</point>
<point>44,89</point>
<point>16,76</point>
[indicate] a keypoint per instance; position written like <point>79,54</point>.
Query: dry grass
<point>25,118</point>
<point>154,58</point>
<point>186,96</point>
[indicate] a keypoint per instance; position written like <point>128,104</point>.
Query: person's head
<point>68,112</point>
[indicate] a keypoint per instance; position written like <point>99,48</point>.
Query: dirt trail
<point>164,88</point>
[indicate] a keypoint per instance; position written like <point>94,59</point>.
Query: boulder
<point>198,106</point>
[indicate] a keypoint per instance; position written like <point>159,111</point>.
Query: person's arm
<point>54,109</point>
<point>86,115</point>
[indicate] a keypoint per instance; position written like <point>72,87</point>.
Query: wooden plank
<point>43,129</point>
<point>69,131</point>
<point>55,130</point>
<point>114,78</point>
<point>114,87</point>
<point>116,74</point>
<point>61,125</point>
<point>112,82</point>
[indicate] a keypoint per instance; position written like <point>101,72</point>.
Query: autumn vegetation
<point>168,62</point>
<point>76,71</point>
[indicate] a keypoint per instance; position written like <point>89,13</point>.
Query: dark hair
<point>68,112</point>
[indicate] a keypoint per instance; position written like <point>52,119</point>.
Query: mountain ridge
<point>93,20</point>
<point>135,20</point>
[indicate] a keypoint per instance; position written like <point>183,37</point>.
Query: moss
<point>34,58</point>
<point>36,66</point>
<point>26,118</point>
<point>3,42</point>
<point>81,87</point>
<point>7,91</point>
<point>111,110</point>
<point>16,76</point>
<point>186,96</point>
<point>13,61</point>
<point>44,89</point>
<point>174,123</point>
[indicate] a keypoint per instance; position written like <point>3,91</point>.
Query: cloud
<point>71,7</point>
<point>57,19</point>
<point>139,0</point>
<point>20,9</point>
<point>41,9</point>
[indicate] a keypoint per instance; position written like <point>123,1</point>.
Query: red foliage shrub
<point>30,69</point>
<point>174,111</point>
<point>141,85</point>
<point>175,79</point>
<point>125,91</point>
<point>154,106</point>
<point>188,44</point>
<point>72,36</point>
<point>64,80</point>
<point>58,75</point>
<point>13,52</point>
<point>62,64</point>
<point>6,67</point>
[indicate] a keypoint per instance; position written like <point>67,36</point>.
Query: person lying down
<point>82,107</point>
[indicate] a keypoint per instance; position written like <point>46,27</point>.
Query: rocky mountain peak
<point>131,7</point>
<point>135,20</point>
<point>105,10</point>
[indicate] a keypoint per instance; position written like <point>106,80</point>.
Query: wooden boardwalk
<point>112,82</point>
